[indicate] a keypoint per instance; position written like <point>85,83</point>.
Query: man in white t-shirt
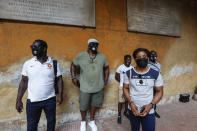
<point>119,77</point>
<point>39,78</point>
<point>138,89</point>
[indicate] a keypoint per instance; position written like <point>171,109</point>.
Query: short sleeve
<point>58,70</point>
<point>125,79</point>
<point>159,81</point>
<point>118,70</point>
<point>24,69</point>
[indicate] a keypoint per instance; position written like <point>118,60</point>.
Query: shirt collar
<point>47,62</point>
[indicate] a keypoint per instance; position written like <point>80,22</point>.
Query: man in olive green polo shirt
<point>94,73</point>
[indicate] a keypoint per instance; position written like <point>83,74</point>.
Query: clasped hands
<point>146,109</point>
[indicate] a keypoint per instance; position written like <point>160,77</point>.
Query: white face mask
<point>94,48</point>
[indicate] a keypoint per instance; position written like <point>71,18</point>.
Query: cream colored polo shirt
<point>40,79</point>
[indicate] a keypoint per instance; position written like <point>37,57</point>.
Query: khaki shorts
<point>121,97</point>
<point>90,99</point>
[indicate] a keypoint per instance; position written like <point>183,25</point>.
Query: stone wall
<point>176,55</point>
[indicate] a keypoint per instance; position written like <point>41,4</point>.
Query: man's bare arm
<point>127,95</point>
<point>106,74</point>
<point>156,99</point>
<point>158,94</point>
<point>126,92</point>
<point>60,89</point>
<point>73,69</point>
<point>21,90</point>
<point>117,77</point>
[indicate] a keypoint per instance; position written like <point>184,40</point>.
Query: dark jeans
<point>34,110</point>
<point>147,122</point>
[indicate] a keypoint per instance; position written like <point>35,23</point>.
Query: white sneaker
<point>83,126</point>
<point>92,125</point>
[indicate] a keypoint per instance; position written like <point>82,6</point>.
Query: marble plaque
<point>69,12</point>
<point>154,16</point>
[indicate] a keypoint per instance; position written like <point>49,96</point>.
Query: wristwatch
<point>153,105</point>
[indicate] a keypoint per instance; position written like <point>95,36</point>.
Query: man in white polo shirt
<point>39,78</point>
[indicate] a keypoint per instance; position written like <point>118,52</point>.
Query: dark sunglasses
<point>34,46</point>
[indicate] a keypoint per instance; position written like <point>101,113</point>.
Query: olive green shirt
<point>91,71</point>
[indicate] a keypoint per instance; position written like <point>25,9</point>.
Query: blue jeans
<point>34,110</point>
<point>147,122</point>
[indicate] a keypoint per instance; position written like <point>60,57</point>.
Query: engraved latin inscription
<point>72,12</point>
<point>154,16</point>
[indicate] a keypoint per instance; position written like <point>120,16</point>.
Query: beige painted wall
<point>176,55</point>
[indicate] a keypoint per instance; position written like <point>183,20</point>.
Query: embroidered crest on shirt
<point>49,65</point>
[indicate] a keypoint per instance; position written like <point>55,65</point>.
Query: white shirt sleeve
<point>118,70</point>
<point>159,81</point>
<point>160,68</point>
<point>24,70</point>
<point>126,79</point>
<point>58,70</point>
<point>121,79</point>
